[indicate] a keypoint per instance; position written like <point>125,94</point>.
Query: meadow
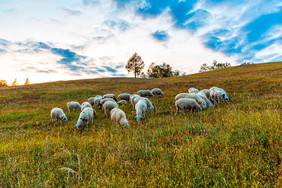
<point>236,144</point>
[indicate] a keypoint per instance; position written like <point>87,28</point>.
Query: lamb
<point>145,93</point>
<point>58,114</point>
<point>118,116</point>
<point>199,99</point>
<point>73,105</point>
<point>84,117</point>
<point>124,96</point>
<point>122,102</point>
<point>157,92</point>
<point>186,103</point>
<point>193,90</point>
<point>85,105</point>
<point>91,100</point>
<point>148,102</point>
<point>109,105</point>
<point>112,96</point>
<point>140,108</point>
<point>105,100</point>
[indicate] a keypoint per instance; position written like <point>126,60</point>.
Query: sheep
<point>218,95</point>
<point>105,100</point>
<point>85,105</point>
<point>148,102</point>
<point>84,117</point>
<point>122,102</point>
<point>140,108</point>
<point>118,116</point>
<point>206,92</point>
<point>186,103</point>
<point>203,96</point>
<point>91,100</point>
<point>124,96</point>
<point>109,105</point>
<point>74,106</point>
<point>58,114</point>
<point>145,93</point>
<point>97,102</point>
<point>157,92</point>
<point>193,90</point>
<point>132,99</point>
<point>199,99</point>
<point>112,96</point>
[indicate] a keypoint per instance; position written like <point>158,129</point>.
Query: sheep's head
<point>64,118</point>
<point>138,117</point>
<point>204,104</point>
<point>225,97</point>
<point>80,122</point>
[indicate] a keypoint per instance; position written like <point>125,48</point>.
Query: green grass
<point>231,145</point>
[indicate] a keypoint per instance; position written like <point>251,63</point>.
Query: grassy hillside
<point>235,144</point>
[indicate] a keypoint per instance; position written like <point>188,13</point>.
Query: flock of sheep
<point>193,100</point>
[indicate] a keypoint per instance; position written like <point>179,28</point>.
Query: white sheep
<point>105,100</point>
<point>118,116</point>
<point>92,99</point>
<point>124,96</point>
<point>112,96</point>
<point>206,92</point>
<point>218,95</point>
<point>132,97</point>
<point>73,105</point>
<point>85,105</point>
<point>157,92</point>
<point>109,105</point>
<point>186,103</point>
<point>193,90</point>
<point>84,117</point>
<point>145,93</point>
<point>199,99</point>
<point>122,102</point>
<point>58,114</point>
<point>148,102</point>
<point>203,96</point>
<point>97,102</point>
<point>140,108</point>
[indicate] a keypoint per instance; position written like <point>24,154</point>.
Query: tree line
<point>3,83</point>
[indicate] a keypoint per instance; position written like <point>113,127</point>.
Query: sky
<point>50,40</point>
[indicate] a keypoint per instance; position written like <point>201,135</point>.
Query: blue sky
<point>49,40</point>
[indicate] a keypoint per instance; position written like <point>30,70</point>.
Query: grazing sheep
<point>203,96</point>
<point>84,117</point>
<point>148,102</point>
<point>73,105</point>
<point>218,95</point>
<point>193,90</point>
<point>85,105</point>
<point>122,102</point>
<point>109,105</point>
<point>91,100</point>
<point>140,108</point>
<point>199,99</point>
<point>145,93</point>
<point>186,103</point>
<point>118,116</point>
<point>132,97</point>
<point>58,114</point>
<point>157,92</point>
<point>105,100</point>
<point>206,92</point>
<point>97,102</point>
<point>112,96</point>
<point>124,96</point>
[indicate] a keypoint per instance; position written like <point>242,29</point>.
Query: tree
<point>27,82</point>
<point>215,66</point>
<point>135,64</point>
<point>15,82</point>
<point>3,83</point>
<point>160,71</point>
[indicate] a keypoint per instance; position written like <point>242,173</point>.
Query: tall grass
<point>237,144</point>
